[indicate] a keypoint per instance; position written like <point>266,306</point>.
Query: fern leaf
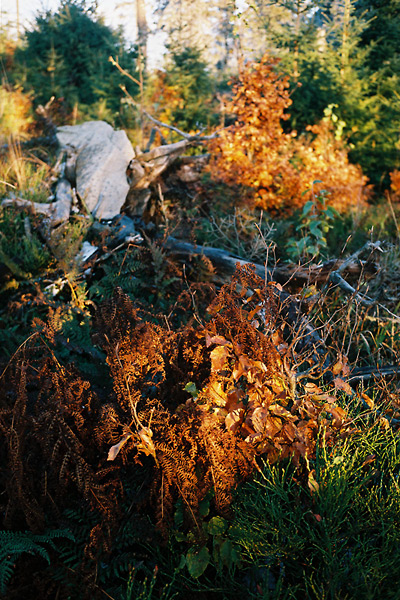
<point>15,543</point>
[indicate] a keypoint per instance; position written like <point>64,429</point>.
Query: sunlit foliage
<point>15,112</point>
<point>275,167</point>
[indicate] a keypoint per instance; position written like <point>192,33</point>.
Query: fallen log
<point>283,274</point>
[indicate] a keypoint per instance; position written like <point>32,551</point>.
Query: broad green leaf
<point>204,507</point>
<point>192,389</point>
<point>228,553</point>
<point>217,526</point>
<point>307,208</point>
<point>197,561</point>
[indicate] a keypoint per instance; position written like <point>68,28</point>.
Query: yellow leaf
<point>217,393</point>
<point>146,444</point>
<point>368,400</point>
<point>279,411</point>
<point>219,357</point>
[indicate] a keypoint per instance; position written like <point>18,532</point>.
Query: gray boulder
<point>102,157</point>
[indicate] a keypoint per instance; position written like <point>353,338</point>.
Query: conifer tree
<point>187,73</point>
<point>66,54</point>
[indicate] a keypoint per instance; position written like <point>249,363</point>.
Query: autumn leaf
<point>217,339</point>
<point>318,518</point>
<point>263,422</point>
<point>259,418</point>
<point>342,385</point>
<point>312,483</point>
<point>368,460</point>
<point>219,357</point>
<point>277,337</point>
<point>216,393</point>
<point>290,431</point>
<point>146,444</point>
<point>234,399</point>
<point>337,413</point>
<point>368,400</point>
<point>341,366</point>
<point>279,411</point>
<point>242,366</point>
<point>312,389</point>
<point>114,450</point>
<point>233,419</point>
<point>316,394</point>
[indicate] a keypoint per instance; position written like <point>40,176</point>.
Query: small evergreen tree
<point>377,141</point>
<point>66,55</point>
<point>187,74</point>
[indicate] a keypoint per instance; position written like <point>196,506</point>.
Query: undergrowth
<point>337,539</point>
<point>192,439</point>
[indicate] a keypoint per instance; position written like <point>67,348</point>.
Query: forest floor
<point>172,426</point>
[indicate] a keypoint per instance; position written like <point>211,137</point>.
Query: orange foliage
<point>276,167</point>
<point>15,112</point>
<point>164,98</point>
<point>395,184</point>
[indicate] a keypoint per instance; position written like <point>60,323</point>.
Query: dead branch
<point>336,279</point>
<point>309,274</point>
<point>115,63</point>
<point>197,137</point>
<point>366,373</point>
<point>224,262</point>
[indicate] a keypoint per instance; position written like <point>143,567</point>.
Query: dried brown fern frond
<point>195,455</point>
<point>47,416</point>
<point>246,401</point>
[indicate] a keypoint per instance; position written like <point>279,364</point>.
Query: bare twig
<point>192,138</point>
<point>115,63</point>
<point>336,279</point>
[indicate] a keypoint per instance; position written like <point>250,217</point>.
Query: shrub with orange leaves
<point>395,184</point>
<point>275,167</point>
<point>163,97</point>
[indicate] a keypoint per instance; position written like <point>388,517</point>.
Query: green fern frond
<point>15,543</point>
<point>123,271</point>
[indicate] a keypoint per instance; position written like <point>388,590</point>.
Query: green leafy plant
<point>15,543</point>
<point>315,222</point>
<point>21,250</point>
<point>215,548</point>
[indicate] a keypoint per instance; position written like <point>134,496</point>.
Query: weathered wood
<point>282,274</point>
<point>363,374</point>
<point>225,263</point>
<point>58,212</point>
<point>144,168</point>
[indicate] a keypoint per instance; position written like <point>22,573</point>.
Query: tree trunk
<point>143,30</point>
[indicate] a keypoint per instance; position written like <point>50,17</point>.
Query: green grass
<point>342,540</point>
